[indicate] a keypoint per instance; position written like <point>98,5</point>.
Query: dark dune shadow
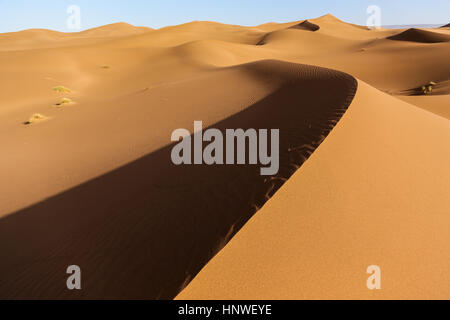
<point>145,230</point>
<point>421,36</point>
<point>439,88</point>
<point>306,25</point>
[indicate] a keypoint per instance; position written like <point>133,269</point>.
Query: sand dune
<point>115,29</point>
<point>91,182</point>
<point>419,35</point>
<point>42,38</point>
<point>179,216</point>
<point>343,212</point>
<point>193,31</point>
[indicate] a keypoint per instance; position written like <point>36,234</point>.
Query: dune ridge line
<point>146,229</point>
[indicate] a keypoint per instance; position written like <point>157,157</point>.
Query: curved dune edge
<point>356,203</point>
<point>423,36</point>
<point>145,230</point>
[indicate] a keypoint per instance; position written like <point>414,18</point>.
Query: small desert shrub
<point>105,67</point>
<point>62,89</point>
<point>426,89</point>
<point>64,101</point>
<point>34,118</point>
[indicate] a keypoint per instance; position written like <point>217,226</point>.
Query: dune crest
<point>114,29</point>
<point>331,20</point>
<point>348,208</point>
<point>32,39</point>
<point>177,224</point>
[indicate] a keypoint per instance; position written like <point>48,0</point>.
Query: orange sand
<point>364,175</point>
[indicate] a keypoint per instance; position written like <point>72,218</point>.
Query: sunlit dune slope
<point>437,104</point>
<point>374,193</point>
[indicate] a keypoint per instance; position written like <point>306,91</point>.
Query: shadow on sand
<point>145,230</point>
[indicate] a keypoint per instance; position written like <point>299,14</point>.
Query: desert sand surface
<point>354,204</point>
<point>437,104</point>
<point>86,120</point>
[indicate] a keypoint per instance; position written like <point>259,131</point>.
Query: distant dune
<point>364,175</point>
<point>115,29</point>
<point>42,38</point>
<point>409,26</point>
<point>418,35</point>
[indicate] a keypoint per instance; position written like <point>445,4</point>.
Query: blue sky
<point>52,14</point>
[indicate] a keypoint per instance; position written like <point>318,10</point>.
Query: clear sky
<point>52,14</point>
